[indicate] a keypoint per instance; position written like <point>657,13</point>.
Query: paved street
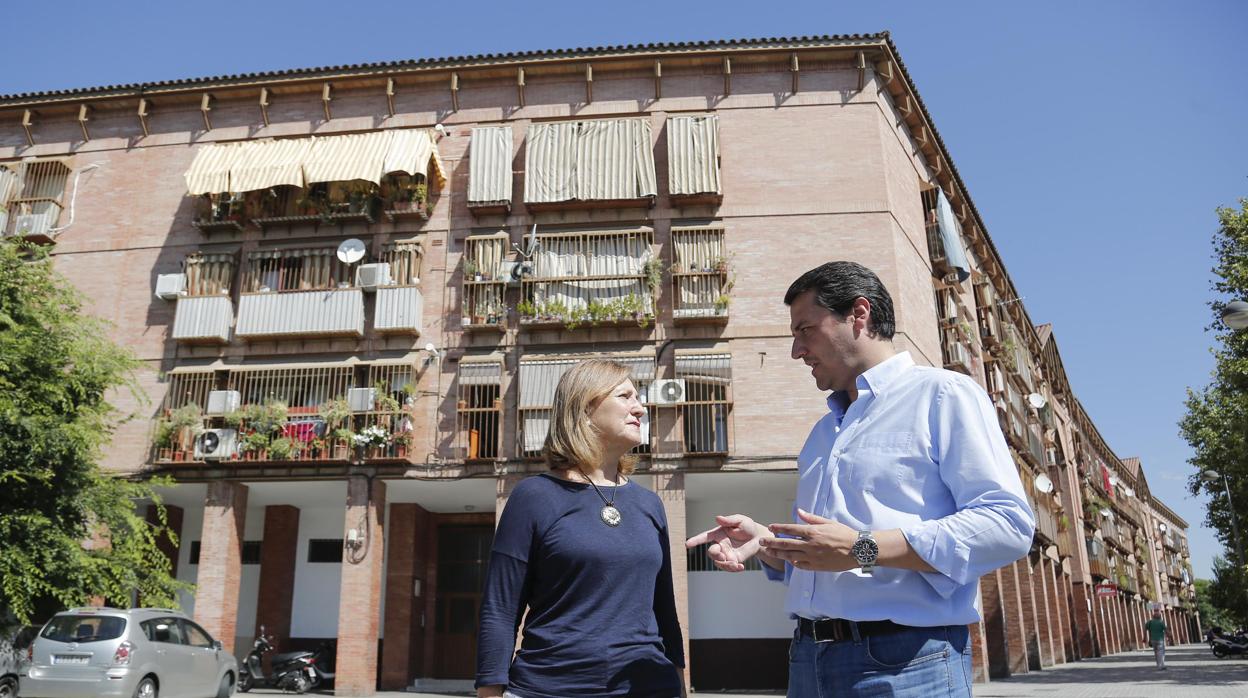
<point>1192,672</point>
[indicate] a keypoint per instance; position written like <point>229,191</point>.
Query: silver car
<point>13,657</point>
<point>139,652</point>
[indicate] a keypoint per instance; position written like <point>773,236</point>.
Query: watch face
<point>865,551</point>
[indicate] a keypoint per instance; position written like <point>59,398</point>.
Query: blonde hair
<point>572,440</point>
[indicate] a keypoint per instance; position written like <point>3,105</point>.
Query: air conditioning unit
<point>216,444</point>
<point>361,399</point>
<point>170,286</point>
<point>667,391</point>
<point>370,276</point>
<point>222,402</point>
<point>513,272</point>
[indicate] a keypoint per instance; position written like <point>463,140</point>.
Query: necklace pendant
<point>610,516</point>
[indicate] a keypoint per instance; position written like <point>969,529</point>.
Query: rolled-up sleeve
<point>993,524</point>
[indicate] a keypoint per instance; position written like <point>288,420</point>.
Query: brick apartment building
<point>357,286</point>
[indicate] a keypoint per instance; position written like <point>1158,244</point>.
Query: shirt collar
<point>873,380</point>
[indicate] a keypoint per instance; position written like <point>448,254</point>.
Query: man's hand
<point>819,544</point>
<point>734,541</point>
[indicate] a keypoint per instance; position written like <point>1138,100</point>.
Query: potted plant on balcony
<point>162,439</point>
<point>401,441</point>
<point>374,439</point>
<point>721,304</point>
<point>471,272</point>
<point>526,310</point>
<point>255,445</point>
<point>281,448</point>
<point>652,270</point>
<point>185,423</point>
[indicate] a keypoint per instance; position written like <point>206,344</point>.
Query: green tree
<point>1216,423</point>
<point>68,530</point>
<point>1211,613</point>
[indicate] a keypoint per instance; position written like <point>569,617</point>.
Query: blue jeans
<point>918,663</point>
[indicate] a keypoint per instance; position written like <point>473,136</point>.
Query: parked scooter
<point>292,671</point>
<point>1224,645</point>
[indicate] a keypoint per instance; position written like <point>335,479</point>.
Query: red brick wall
<point>278,548</point>
<point>220,560</point>
<point>359,610</point>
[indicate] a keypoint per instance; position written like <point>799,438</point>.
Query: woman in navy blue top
<point>585,550</point>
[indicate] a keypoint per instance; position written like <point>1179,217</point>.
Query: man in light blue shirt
<point>906,495</point>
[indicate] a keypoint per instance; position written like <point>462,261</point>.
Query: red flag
<point>1109,486</point>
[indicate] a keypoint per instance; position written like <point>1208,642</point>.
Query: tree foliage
<point>68,530</point>
<point>1212,597</point>
<point>1216,423</point>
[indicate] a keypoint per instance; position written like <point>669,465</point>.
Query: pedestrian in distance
<point>906,495</point>
<point>585,550</point>
<point>1156,629</point>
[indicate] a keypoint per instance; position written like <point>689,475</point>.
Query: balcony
<point>31,193</point>
<point>1098,566</point>
<point>484,288</point>
<point>399,309</point>
<point>701,278</point>
<point>591,279</point>
<point>321,313</point>
<point>205,319</point>
<point>220,213</point>
<point>1046,518</point>
<point>325,203</point>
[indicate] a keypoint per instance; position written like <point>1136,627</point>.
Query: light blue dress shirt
<point>919,450</point>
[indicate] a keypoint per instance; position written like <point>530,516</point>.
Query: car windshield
<point>76,628</point>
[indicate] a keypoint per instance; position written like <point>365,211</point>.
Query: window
<point>404,260</point>
<point>73,627</point>
<point>394,385</point>
<point>295,270</point>
<point>167,630</point>
<point>209,274</point>
<point>538,378</point>
<point>192,557</point>
<point>584,278</point>
<point>705,409</point>
<point>325,550</point>
<point>251,552</point>
<point>489,165</point>
<point>482,302</point>
<point>699,272</point>
<point>32,193</point>
<point>195,635</point>
<point>599,160</point>
<point>479,409</point>
<point>693,155</point>
<point>303,390</point>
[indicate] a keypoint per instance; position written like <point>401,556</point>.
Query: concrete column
<point>1045,623</point>
<point>993,609</point>
<point>671,490</point>
<point>1065,605</point>
<point>220,560</point>
<point>1015,628</point>
<point>404,601</point>
<point>359,608</point>
<point>278,549</point>
<point>1061,631</point>
<point>1084,621</point>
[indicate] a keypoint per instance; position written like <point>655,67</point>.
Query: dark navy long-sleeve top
<point>601,610</point>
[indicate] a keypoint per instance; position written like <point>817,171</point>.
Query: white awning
<point>693,155</point>
<point>708,368</point>
<point>480,372</point>
<point>489,164</point>
<point>539,377</point>
<point>603,159</point>
<point>255,165</point>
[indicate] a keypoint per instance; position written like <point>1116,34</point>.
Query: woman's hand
<point>734,541</point>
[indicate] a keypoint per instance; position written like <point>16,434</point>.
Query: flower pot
<point>340,451</point>
<point>165,454</point>
<point>400,451</point>
<point>179,455</point>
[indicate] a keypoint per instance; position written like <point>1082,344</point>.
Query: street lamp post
<point>1211,476</point>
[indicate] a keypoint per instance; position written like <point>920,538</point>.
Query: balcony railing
<point>400,309</point>
<point>700,295</point>
<point>1098,566</point>
<point>1046,517</point>
<point>203,319</point>
<point>331,312</point>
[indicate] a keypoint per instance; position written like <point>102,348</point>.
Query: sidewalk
<point>1192,672</point>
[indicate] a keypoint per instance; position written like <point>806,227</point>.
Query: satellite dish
<point>1107,514</point>
<point>672,392</point>
<point>1162,527</point>
<point>1044,483</point>
<point>521,270</point>
<point>351,251</point>
<point>1130,492</point>
<point>1037,401</point>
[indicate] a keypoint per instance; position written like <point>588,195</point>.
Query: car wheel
<point>146,688</point>
<point>244,681</point>
<point>8,687</point>
<point>227,687</point>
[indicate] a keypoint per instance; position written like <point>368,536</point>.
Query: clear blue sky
<point>1096,139</point>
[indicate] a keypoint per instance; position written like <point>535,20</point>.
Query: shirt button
<point>806,594</point>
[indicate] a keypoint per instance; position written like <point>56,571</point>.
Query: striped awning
<point>253,165</point>
<point>9,180</point>
<point>489,165</point>
<point>693,155</point>
<point>539,377</point>
<point>599,160</point>
<point>710,368</point>
<point>480,372</point>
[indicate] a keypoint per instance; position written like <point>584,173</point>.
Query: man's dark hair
<point>838,284</point>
